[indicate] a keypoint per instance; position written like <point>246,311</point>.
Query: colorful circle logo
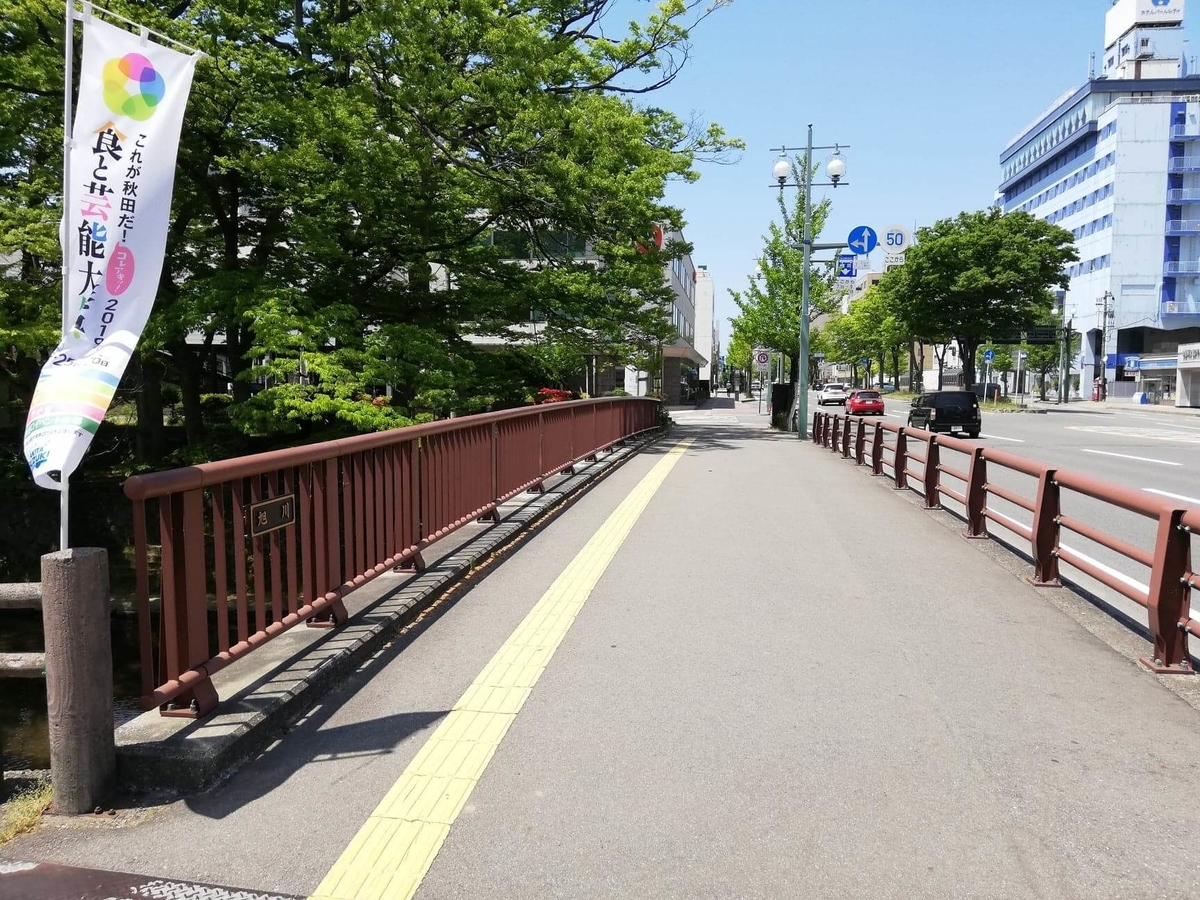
<point>132,87</point>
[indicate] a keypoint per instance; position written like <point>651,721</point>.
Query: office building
<point>1116,161</point>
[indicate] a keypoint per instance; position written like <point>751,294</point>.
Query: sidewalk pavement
<point>1122,406</point>
<point>790,682</point>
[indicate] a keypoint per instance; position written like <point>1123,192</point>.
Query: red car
<point>864,403</point>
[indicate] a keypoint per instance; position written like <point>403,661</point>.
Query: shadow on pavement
<point>306,742</point>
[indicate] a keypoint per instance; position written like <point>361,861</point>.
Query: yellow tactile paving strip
<point>388,858</point>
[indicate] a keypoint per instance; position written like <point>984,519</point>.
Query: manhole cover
<point>44,881</point>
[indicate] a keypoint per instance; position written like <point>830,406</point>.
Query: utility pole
<point>1105,304</point>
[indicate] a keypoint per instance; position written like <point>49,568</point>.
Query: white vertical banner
<point>132,94</point>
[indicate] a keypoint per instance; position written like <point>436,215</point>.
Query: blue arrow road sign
<point>989,355</point>
<point>863,240</point>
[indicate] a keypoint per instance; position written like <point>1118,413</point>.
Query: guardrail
<point>1172,578</point>
<point>294,531</point>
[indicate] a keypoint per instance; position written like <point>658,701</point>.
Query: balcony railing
<point>1189,306</point>
<point>1183,195</point>
<point>1184,164</point>
<point>1185,132</point>
<point>1182,268</point>
<point>1183,226</point>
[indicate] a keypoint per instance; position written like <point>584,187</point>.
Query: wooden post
<point>79,677</point>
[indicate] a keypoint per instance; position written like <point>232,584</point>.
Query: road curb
<point>173,757</point>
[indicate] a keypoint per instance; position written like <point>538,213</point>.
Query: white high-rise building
<point>706,326</point>
<point>1116,161</point>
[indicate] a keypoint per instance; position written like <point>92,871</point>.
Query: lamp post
<point>835,169</point>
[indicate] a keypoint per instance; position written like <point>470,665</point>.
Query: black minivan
<point>947,411</point>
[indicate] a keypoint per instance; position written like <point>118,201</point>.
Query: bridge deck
<point>788,682</point>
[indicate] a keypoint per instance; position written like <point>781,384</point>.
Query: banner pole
<point>64,538</point>
<point>68,145</point>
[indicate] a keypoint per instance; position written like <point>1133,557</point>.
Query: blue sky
<point>926,93</point>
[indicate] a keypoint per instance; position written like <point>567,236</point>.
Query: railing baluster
<point>220,574</point>
<point>354,504</point>
<point>933,496</point>
<point>242,599</point>
<point>1046,511</point>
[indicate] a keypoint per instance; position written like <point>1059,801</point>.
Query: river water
<point>24,735</point>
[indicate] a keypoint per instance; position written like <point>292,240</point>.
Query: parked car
<point>887,388</point>
<point>832,393</point>
<point>864,403</point>
<point>946,412</point>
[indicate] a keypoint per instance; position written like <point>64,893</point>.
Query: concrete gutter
<point>277,684</point>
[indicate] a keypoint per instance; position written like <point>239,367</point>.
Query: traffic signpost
<point>763,359</point>
<point>897,240</point>
<point>863,240</point>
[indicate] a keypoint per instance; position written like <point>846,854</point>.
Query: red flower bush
<point>553,395</point>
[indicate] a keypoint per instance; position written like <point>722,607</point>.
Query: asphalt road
<point>1155,453</point>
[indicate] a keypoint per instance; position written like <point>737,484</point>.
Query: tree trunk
<point>150,442</point>
<point>190,372</point>
<point>967,349</point>
<point>237,345</point>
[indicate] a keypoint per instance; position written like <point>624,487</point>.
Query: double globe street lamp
<point>835,169</point>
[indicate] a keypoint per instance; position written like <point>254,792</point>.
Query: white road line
<point>1161,462</point>
<point>1158,420</point>
<point>1120,576</point>
<point>1132,582</point>
<point>897,415</point>
<point>1172,496</point>
<point>997,437</point>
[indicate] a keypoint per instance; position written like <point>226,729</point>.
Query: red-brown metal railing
<point>1166,597</point>
<point>280,538</point>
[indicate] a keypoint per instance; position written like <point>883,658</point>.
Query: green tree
<point>362,186</point>
<point>980,275</point>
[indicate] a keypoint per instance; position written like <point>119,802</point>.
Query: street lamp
<point>835,170</point>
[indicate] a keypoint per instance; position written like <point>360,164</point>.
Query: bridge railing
<point>914,460</point>
<point>275,539</point>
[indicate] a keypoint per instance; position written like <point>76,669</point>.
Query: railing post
<point>977,495</point>
<point>79,677</point>
<point>1046,514</point>
<point>816,432</point>
<point>877,450</point>
<point>900,461</point>
<point>835,426</point>
<point>826,437</point>
<point>1168,597</point>
<point>933,497</point>
<point>860,443</point>
<point>845,437</point>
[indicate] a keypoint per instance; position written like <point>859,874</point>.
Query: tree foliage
<point>361,186</point>
<point>769,307</point>
<point>981,275</point>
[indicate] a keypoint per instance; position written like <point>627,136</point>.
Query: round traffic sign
<point>897,240</point>
<point>989,355</point>
<point>763,357</point>
<point>862,240</point>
